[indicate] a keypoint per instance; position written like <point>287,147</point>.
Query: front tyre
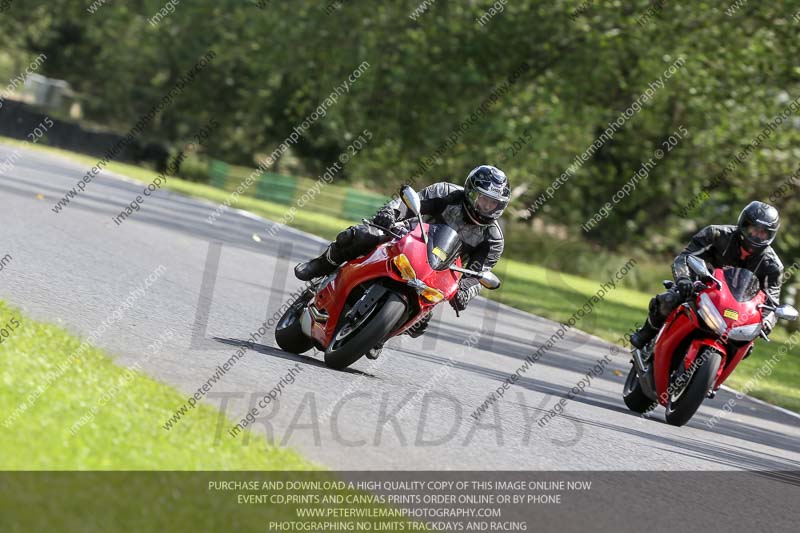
<point>288,333</point>
<point>685,400</point>
<point>633,395</point>
<point>349,345</point>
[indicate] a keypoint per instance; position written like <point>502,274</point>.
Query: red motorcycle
<point>380,295</point>
<point>700,344</point>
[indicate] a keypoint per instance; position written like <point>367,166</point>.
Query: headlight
<point>404,267</point>
<point>432,295</point>
<point>708,312</point>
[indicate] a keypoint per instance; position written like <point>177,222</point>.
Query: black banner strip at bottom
<point>400,501</point>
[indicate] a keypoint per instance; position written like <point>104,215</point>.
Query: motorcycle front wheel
<point>351,341</point>
<point>685,399</point>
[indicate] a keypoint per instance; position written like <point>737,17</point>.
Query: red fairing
<point>417,252</point>
<point>726,371</point>
<point>681,323</point>
<point>748,312</point>
<point>332,297</point>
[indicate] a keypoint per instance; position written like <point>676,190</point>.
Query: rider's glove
<point>685,287</point>
<point>460,300</point>
<point>467,290</point>
<point>384,218</point>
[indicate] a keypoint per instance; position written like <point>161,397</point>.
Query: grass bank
<point>46,392</point>
<point>140,477</point>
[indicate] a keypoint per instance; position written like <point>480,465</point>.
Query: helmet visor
<point>485,206</point>
<point>759,234</point>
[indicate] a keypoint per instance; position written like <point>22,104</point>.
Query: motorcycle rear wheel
<point>368,334</point>
<point>681,408</point>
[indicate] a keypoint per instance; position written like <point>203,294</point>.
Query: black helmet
<point>758,225</point>
<point>486,194</point>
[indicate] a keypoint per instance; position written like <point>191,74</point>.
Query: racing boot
<point>375,351</point>
<point>419,328</point>
<point>317,267</point>
<point>641,337</point>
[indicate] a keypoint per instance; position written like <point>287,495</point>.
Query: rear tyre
<point>633,395</point>
<point>288,333</point>
<point>372,331</point>
<point>683,404</point>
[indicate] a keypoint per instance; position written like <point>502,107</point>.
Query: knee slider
<point>345,237</point>
<point>667,302</point>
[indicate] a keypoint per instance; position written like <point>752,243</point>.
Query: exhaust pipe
<point>645,376</point>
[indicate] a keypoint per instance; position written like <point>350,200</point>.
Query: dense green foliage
<point>276,63</point>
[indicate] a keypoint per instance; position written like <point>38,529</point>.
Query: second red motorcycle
<point>701,343</point>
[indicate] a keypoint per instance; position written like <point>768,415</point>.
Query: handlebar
<point>717,282</point>
<point>390,231</point>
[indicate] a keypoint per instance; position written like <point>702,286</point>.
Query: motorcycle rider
<point>745,245</point>
<point>472,210</point>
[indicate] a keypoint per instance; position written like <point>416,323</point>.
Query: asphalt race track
<point>219,284</point>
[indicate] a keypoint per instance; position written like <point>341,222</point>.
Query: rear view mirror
<point>786,312</point>
<point>411,199</point>
<point>698,266</point>
<point>489,280</point>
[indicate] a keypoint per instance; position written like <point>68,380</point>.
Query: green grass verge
<point>159,487</point>
<point>780,386</point>
<point>125,432</point>
<point>528,287</point>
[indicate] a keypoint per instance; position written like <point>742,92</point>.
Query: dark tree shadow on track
<point>277,352</point>
<point>723,454</point>
<point>602,400</point>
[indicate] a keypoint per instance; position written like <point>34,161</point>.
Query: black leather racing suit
<point>720,246</point>
<point>441,203</point>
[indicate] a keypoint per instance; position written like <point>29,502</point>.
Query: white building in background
<point>51,94</point>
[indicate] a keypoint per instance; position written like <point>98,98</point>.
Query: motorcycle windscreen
<point>744,285</point>
<point>444,245</point>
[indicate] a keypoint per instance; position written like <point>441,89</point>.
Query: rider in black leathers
<point>745,245</point>
<point>472,210</point>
